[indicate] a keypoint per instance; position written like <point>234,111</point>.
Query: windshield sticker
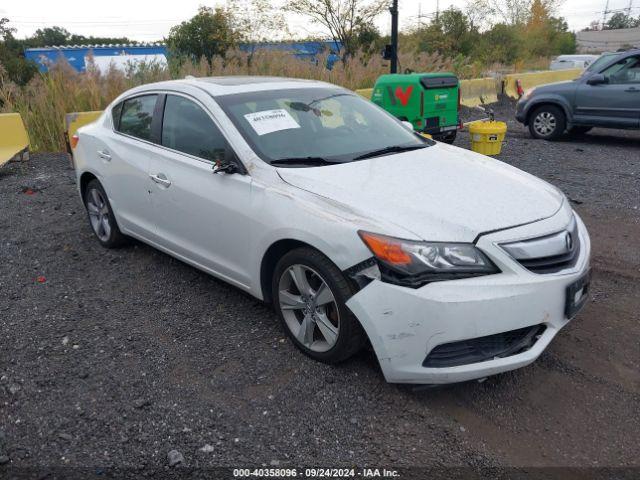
<point>269,121</point>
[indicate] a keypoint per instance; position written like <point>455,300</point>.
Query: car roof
<point>228,85</point>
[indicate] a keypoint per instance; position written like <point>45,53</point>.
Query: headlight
<point>411,263</point>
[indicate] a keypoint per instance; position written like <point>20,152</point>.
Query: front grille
<point>551,264</point>
<point>548,254</point>
<point>482,349</point>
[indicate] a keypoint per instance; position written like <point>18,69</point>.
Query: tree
<point>17,68</point>
<point>344,19</point>
<point>91,40</point>
<point>208,34</point>
<point>544,35</point>
<point>621,20</point>
<point>257,21</point>
<point>368,38</point>
<point>49,36</point>
<point>510,12</point>
<point>6,32</point>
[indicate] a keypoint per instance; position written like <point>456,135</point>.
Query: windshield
<point>316,126</point>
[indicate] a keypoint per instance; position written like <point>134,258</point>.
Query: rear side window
<point>187,128</point>
<point>136,116</point>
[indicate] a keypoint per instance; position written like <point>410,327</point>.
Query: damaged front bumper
<point>409,328</point>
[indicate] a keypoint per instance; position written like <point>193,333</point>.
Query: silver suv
<point>605,96</point>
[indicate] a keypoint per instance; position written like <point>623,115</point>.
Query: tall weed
<point>44,102</point>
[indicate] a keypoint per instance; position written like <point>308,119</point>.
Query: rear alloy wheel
<point>547,122</point>
<point>309,295</point>
<point>101,216</point>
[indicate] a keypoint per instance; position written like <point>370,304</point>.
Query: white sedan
<point>452,265</point>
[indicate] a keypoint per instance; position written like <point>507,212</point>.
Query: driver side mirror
<point>222,166</point>
<point>597,79</point>
<point>228,163</point>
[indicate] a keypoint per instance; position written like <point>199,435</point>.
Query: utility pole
<point>394,36</point>
<point>604,15</point>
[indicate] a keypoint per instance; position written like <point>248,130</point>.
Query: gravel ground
<point>115,358</point>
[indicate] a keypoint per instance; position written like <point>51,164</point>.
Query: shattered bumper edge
<point>405,324</point>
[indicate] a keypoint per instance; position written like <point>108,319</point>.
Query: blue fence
<point>76,54</point>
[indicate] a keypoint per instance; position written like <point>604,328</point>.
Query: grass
<point>44,102</point>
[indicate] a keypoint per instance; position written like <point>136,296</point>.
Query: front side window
<point>187,128</point>
<point>314,125</point>
<point>136,116</point>
<point>599,63</point>
<point>624,71</point>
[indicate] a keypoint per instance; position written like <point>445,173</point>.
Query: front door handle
<point>632,89</point>
<point>104,155</point>
<point>161,179</point>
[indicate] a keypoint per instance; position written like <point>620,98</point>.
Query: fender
<point>549,98</point>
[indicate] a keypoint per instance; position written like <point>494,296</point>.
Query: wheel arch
<point>85,178</point>
<point>556,102</point>
<point>270,259</point>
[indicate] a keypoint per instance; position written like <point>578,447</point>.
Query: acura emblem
<point>568,240</point>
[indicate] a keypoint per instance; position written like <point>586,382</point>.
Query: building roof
<point>104,45</point>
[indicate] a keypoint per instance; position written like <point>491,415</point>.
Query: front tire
<point>309,296</point>
<point>101,218</point>
<point>547,122</point>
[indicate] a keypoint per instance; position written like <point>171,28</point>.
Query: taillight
<point>74,141</point>
<point>519,88</point>
<point>459,98</point>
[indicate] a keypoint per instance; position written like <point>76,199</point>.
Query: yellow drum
<point>487,137</point>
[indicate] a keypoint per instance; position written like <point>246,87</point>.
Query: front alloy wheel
<point>309,308</point>
<point>547,122</point>
<point>309,294</point>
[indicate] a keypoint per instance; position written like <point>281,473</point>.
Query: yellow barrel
<point>487,137</point>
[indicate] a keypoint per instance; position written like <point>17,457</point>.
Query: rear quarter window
<point>115,115</point>
<point>136,116</point>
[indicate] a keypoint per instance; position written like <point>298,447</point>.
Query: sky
<point>150,20</point>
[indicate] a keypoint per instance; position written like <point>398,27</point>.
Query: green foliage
<point>12,61</point>
<point>525,34</point>
<point>345,20</point>
<point>208,34</point>
<point>17,68</point>
<point>622,20</point>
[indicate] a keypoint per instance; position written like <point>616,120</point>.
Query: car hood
<point>556,86</point>
<point>439,193</point>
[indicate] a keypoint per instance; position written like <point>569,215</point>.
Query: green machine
<point>430,101</point>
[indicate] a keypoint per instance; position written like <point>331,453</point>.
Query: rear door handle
<point>104,155</point>
<point>632,89</point>
<point>161,179</point>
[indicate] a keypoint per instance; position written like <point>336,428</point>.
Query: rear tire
<point>547,122</point>
<point>101,218</point>
<point>309,295</point>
